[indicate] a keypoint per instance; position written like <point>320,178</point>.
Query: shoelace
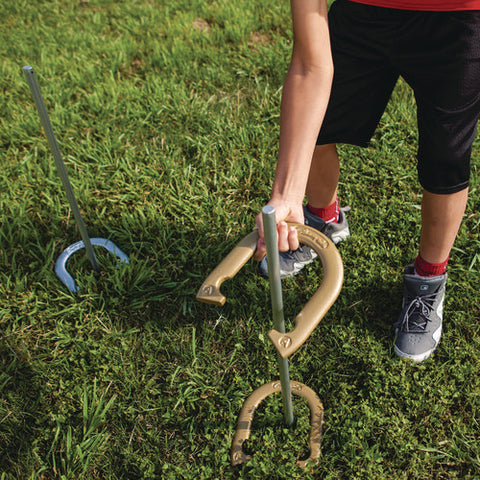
<point>417,312</point>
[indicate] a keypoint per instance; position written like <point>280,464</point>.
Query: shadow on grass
<point>19,407</point>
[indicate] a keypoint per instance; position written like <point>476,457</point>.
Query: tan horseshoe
<point>313,311</point>
<point>245,418</point>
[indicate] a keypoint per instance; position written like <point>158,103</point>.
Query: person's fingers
<point>287,236</point>
<point>261,250</point>
<point>259,224</point>
<point>282,230</point>
<point>293,238</point>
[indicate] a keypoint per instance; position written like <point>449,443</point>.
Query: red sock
<point>328,214</point>
<point>426,269</point>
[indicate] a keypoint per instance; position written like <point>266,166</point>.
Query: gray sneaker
<point>419,327</point>
<point>293,261</point>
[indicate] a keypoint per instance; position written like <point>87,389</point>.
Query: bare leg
<point>441,219</point>
<point>441,214</point>
<point>323,176</point>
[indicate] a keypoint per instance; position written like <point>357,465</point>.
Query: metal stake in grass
<point>65,277</point>
<point>270,229</point>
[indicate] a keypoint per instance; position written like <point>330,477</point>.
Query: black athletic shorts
<point>438,55</point>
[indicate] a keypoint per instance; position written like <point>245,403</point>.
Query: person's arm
<point>304,100</point>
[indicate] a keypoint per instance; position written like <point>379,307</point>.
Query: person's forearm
<point>305,96</point>
<point>304,101</point>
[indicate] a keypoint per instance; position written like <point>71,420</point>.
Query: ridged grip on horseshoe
<point>315,309</point>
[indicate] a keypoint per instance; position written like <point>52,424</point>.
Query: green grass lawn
<point>167,116</point>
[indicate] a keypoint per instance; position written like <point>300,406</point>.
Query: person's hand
<point>287,236</point>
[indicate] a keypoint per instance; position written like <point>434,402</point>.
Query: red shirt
<point>426,5</point>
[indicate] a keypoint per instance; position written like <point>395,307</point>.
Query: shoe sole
<point>415,358</point>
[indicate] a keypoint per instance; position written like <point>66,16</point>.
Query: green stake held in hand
<point>271,243</point>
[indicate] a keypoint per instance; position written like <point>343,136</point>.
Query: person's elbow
<point>319,69</point>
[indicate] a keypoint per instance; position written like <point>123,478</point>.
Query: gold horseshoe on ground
<point>246,416</point>
<point>314,310</point>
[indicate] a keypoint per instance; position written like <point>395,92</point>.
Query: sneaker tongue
<point>420,286</point>
<point>417,323</point>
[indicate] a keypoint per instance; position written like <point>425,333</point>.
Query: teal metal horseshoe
<point>61,263</point>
